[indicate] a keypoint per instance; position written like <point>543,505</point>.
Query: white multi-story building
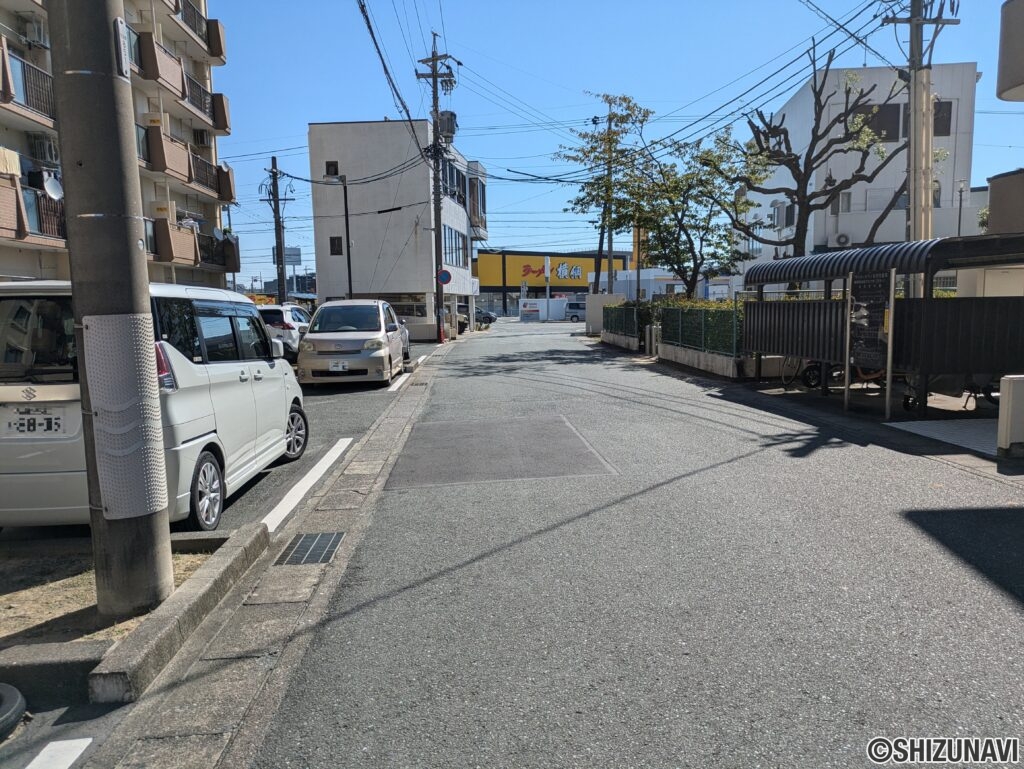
<point>173,49</point>
<point>390,249</point>
<point>849,220</point>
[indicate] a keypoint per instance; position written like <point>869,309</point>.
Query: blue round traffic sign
<point>444,277</point>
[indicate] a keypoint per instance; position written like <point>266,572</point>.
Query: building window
<point>883,120</point>
<point>790,215</point>
<point>936,194</point>
<point>841,203</point>
<point>331,168</point>
<point>337,245</point>
<point>942,121</point>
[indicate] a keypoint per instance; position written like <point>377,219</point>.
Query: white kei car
<point>230,404</point>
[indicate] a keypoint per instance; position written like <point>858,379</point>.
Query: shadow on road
<point>990,540</point>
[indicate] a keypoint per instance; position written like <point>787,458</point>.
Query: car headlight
<point>374,344</point>
<point>306,347</point>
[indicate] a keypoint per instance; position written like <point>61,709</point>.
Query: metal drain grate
<point>311,548</point>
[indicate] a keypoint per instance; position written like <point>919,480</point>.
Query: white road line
<point>420,359</point>
<point>398,383</point>
<point>284,508</point>
<point>60,754</point>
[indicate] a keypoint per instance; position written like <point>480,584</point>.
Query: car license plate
<point>33,420</point>
<point>339,365</point>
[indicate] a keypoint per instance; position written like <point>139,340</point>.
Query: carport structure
<point>931,335</point>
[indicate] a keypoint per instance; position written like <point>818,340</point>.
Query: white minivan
<point>230,403</point>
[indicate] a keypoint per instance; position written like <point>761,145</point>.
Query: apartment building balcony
<point>211,107</point>
<point>161,65</point>
<point>219,254</point>
<point>26,91</point>
<point>175,244</point>
<point>30,217</point>
<point>166,155</point>
<point>204,37</point>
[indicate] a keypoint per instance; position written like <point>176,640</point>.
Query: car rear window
<point>37,339</point>
<point>364,317</point>
<point>270,317</point>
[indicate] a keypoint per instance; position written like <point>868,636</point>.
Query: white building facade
<point>849,220</point>
<point>390,248</point>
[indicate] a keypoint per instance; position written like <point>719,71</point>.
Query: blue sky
<point>526,69</point>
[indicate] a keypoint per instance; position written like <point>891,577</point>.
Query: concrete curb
<point>130,667</point>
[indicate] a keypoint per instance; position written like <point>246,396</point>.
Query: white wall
<point>392,253</point>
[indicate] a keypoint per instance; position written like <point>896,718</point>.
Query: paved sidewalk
<point>236,667</point>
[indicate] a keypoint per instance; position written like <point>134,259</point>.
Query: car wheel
<point>297,433</point>
<point>12,708</point>
<point>207,494</point>
<point>575,318</point>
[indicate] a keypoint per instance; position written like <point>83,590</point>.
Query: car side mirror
<point>276,348</point>
<point>391,328</point>
<point>303,329</point>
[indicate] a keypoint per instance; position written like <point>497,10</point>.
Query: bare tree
<point>848,133</point>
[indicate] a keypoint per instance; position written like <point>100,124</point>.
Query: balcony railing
<point>45,215</point>
<point>33,87</point>
<point>194,20</point>
<point>204,173</point>
<point>134,48</point>
<point>210,250</point>
<point>198,96</point>
<point>142,142</point>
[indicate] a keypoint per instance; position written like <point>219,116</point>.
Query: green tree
<point>606,154</point>
<point>675,191</point>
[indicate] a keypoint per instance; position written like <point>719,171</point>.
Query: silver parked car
<point>353,340</point>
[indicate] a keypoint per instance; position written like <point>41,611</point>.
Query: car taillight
<point>164,374</point>
<point>283,325</point>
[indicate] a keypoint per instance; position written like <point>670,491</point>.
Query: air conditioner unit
<point>200,137</point>
<point>44,148</point>
<point>839,240</point>
<point>164,209</point>
<point>33,29</point>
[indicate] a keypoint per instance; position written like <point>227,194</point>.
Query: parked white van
<point>230,403</point>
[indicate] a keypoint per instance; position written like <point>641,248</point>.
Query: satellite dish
<point>218,233</point>
<point>53,188</point>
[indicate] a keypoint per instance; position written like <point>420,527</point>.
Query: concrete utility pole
<point>437,153</point>
<point>113,321</point>
<point>275,202</point>
<point>920,173</point>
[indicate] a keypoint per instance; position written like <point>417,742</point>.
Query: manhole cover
<point>311,548</point>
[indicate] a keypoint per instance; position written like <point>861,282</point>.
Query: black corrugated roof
<point>907,258</point>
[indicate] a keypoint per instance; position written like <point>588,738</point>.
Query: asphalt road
<point>629,568</point>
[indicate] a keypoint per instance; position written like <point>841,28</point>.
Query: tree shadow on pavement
<point>990,540</point>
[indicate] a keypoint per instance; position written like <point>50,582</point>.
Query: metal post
<point>960,213</point>
<point>275,201</point>
<point>846,346</point>
<point>348,234</point>
<point>106,238</point>
<point>609,207</point>
<point>890,340</point>
<point>757,355</point>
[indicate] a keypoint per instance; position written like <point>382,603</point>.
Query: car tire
<point>12,708</point>
<point>206,496</point>
<point>574,318</point>
<point>296,433</point>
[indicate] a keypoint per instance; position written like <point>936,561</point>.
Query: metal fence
<point>708,330</point>
<point>620,320</point>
